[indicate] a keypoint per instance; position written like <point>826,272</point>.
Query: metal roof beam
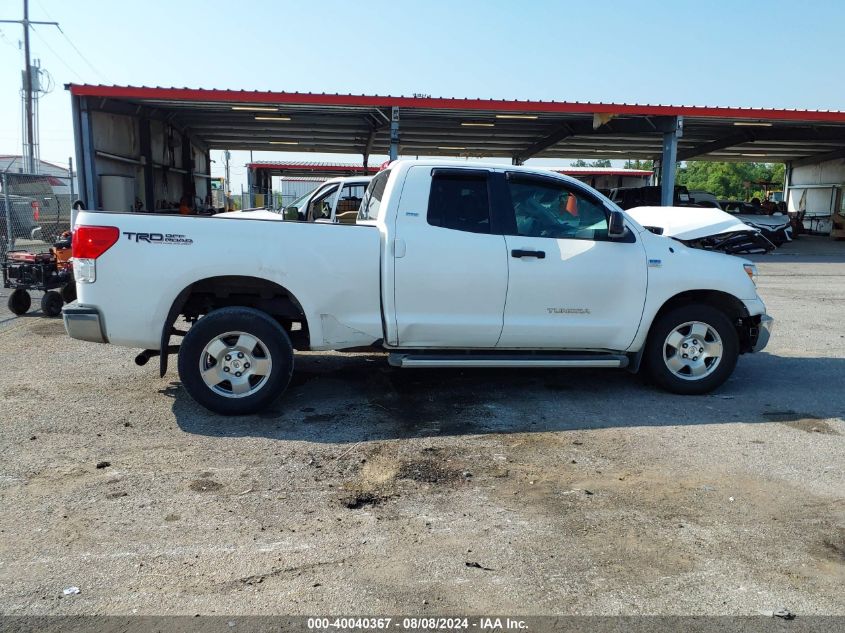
<point>819,158</point>
<point>705,148</point>
<point>556,136</point>
<point>633,126</point>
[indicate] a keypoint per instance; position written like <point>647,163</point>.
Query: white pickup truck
<point>449,265</point>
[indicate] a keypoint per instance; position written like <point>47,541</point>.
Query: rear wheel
<point>235,361</point>
<point>19,301</point>
<point>692,349</point>
<point>51,303</point>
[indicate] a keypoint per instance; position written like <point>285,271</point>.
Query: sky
<point>731,53</point>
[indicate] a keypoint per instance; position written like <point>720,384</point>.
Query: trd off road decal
<point>159,238</point>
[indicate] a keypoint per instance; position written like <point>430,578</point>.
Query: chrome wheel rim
<point>693,350</point>
<point>235,364</point>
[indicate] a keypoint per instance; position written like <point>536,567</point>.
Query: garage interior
<point>148,148</point>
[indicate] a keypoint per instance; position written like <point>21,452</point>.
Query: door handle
<point>518,252</point>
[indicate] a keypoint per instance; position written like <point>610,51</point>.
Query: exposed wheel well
<point>727,303</point>
<point>205,295</point>
<point>732,307</point>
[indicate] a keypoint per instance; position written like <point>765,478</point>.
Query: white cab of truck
<point>449,264</point>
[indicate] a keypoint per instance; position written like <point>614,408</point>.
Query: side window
<point>320,207</point>
<point>459,201</point>
<point>371,204</point>
<point>349,203</point>
<point>544,208</point>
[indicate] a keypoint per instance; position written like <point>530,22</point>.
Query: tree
<point>596,163</point>
<point>639,164</point>
<point>731,180</point>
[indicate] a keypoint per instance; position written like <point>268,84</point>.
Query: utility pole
<point>27,85</point>
<point>227,192</point>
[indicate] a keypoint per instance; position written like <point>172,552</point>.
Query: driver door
<point>569,285</point>
<point>321,205</point>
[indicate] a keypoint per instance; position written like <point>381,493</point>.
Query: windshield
<point>371,203</point>
<point>298,202</point>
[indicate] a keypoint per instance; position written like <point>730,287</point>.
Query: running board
<point>505,360</point>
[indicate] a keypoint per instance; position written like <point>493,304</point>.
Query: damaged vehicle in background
<point>777,227</point>
<point>707,228</point>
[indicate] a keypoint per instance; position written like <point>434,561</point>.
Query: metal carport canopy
<point>361,124</point>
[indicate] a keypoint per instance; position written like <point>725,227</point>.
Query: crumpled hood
<point>688,223</point>
<point>258,214</point>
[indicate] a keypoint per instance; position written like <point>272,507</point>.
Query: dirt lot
<point>373,490</point>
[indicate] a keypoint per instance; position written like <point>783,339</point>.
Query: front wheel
<point>692,349</point>
<point>235,361</point>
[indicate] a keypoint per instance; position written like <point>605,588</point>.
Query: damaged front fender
<point>703,227</point>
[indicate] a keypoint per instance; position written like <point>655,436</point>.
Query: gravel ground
<point>381,491</point>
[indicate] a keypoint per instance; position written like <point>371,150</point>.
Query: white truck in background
<point>336,200</point>
<point>448,265</point>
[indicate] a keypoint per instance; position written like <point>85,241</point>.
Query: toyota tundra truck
<point>449,265</point>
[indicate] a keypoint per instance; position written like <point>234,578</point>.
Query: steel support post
<point>394,133</point>
<point>145,139</point>
<point>668,161</point>
<point>787,182</point>
<point>88,159</point>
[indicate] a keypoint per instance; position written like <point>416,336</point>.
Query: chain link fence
<point>34,210</point>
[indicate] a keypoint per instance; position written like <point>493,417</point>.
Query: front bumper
<point>764,332</point>
<point>82,323</point>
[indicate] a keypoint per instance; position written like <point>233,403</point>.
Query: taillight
<point>89,242</point>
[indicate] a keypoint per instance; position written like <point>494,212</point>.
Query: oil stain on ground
<point>806,422</point>
<point>205,485</point>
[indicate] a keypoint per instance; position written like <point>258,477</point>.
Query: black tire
<point>272,343</point>
<point>19,301</point>
<point>69,292</point>
<point>51,304</point>
<point>655,361</point>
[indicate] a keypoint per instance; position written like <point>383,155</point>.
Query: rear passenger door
<point>450,261</point>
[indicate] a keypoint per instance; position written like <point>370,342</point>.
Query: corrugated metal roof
<point>350,99</point>
<point>521,129</point>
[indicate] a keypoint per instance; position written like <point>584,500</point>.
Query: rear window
<point>371,203</point>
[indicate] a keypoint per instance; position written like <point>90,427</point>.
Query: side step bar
<point>398,359</point>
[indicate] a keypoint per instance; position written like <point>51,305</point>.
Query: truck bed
<point>156,257</point>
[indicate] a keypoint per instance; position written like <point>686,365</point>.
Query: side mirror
<point>616,225</point>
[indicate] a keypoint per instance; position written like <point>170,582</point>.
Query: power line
<point>85,59</point>
<point>6,39</point>
<point>59,57</point>
<point>69,41</point>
